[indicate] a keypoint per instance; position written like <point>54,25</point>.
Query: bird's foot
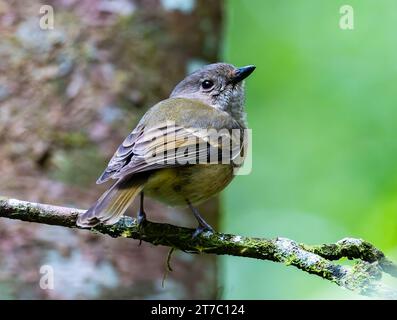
<point>141,219</point>
<point>202,228</point>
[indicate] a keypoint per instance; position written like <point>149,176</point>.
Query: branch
<point>363,277</point>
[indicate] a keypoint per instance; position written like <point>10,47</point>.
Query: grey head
<point>219,85</point>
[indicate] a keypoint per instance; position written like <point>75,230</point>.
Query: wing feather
<point>168,145</point>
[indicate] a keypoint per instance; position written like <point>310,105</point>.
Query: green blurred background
<point>322,107</point>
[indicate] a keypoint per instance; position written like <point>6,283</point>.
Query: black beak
<point>242,73</point>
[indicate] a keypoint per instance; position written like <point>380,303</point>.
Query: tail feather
<point>110,207</point>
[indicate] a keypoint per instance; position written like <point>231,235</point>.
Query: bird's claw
<point>200,229</point>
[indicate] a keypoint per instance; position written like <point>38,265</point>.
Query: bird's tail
<point>110,207</point>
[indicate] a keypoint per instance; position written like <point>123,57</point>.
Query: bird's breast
<point>195,183</point>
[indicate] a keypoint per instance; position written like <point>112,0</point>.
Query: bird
<point>169,154</point>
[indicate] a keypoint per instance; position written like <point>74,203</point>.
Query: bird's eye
<point>207,84</point>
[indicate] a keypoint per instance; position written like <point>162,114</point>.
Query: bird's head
<point>219,85</point>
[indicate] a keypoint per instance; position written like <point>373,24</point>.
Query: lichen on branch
<point>364,277</point>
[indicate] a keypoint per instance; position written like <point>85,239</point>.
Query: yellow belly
<point>195,183</point>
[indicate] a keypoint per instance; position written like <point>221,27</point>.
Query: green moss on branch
<point>363,277</point>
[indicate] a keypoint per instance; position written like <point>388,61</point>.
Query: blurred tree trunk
<point>68,97</point>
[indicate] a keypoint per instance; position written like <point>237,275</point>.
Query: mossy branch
<point>363,277</point>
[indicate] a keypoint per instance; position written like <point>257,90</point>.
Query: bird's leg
<point>141,216</point>
<point>202,224</point>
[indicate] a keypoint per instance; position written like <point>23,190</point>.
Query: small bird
<point>163,156</point>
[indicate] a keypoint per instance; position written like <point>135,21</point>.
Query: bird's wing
<point>170,145</point>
